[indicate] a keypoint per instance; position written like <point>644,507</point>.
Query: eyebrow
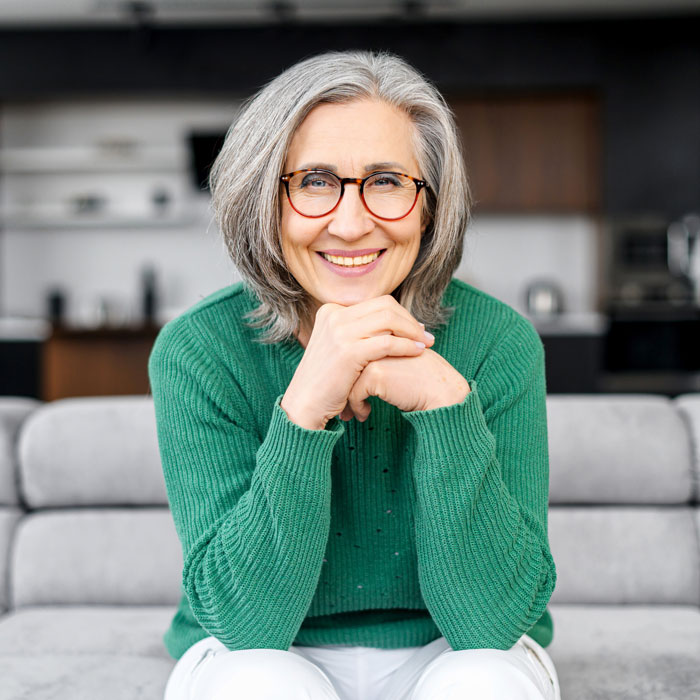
<point>372,166</point>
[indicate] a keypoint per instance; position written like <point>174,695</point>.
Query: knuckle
<point>386,342</point>
<point>373,371</point>
<point>323,311</point>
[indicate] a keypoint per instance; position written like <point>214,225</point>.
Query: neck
<point>303,334</point>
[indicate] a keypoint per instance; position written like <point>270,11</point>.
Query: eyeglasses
<point>386,195</point>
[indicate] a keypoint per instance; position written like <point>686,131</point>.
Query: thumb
<point>347,414</point>
<point>360,407</point>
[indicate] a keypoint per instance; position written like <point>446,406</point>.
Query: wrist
<point>303,418</point>
<point>450,398</point>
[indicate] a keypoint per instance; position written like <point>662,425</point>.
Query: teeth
<point>352,262</point>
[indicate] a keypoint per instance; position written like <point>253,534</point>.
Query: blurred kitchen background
<point>581,126</point>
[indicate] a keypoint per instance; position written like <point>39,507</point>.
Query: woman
<point>362,504</point>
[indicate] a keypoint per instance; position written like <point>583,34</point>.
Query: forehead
<point>353,135</point>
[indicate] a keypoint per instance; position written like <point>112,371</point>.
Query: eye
<point>384,181</point>
<point>318,181</point>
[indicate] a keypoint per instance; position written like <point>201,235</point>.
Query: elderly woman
<point>354,443</point>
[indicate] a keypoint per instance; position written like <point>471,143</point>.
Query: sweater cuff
<point>289,443</point>
<point>447,432</point>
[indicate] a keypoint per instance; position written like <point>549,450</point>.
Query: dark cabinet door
<point>532,153</point>
<point>96,363</point>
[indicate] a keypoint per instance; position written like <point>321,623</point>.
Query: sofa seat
<point>627,651</point>
<point>84,652</point>
<point>58,676</point>
<point>600,651</point>
<point>81,629</point>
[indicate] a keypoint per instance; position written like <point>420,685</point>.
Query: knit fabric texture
<point>387,533</point>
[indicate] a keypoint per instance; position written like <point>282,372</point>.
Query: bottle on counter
<point>149,295</point>
<point>56,306</point>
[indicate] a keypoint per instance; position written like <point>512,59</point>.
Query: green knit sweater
<point>387,533</point>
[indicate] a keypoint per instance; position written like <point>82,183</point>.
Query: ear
<point>424,224</point>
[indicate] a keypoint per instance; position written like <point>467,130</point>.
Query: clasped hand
<point>368,349</point>
<point>417,383</point>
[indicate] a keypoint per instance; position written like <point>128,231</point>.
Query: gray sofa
<point>90,563</point>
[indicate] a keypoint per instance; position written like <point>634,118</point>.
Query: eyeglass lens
<point>387,195</point>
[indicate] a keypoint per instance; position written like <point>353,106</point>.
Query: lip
<point>351,271</point>
<point>350,253</point>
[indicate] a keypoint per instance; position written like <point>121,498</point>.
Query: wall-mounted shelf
<point>39,223</point>
<point>92,159</point>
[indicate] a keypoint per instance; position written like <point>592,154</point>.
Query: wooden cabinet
<point>96,362</point>
<point>532,153</point>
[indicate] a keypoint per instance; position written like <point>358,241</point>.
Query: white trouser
<point>209,671</point>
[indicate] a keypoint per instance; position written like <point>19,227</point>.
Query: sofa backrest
<point>97,528</point>
<point>623,518</point>
<point>84,516</point>
<point>13,412</point>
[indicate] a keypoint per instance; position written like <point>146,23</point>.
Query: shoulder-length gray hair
<point>246,190</point>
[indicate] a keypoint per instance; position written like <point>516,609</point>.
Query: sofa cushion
<point>626,652</point>
<point>617,449</point>
<point>56,676</point>
<point>84,629</point>
<point>9,517</point>
<point>689,407</point>
<point>625,554</point>
<point>105,556</point>
<point>104,451</point>
<point>13,412</point>
<point>92,451</point>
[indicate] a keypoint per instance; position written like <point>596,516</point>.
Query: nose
<point>350,220</point>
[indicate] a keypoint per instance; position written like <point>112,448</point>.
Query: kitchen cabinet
<point>19,360</point>
<point>532,153</point>
<point>21,342</point>
<point>654,349</point>
<point>573,348</point>
<point>107,361</point>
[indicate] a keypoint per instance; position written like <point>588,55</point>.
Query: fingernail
<point>429,336</point>
<point>420,345</point>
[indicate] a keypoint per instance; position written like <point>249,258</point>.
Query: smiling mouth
<point>359,261</point>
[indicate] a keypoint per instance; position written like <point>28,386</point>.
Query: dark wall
<point>647,73</point>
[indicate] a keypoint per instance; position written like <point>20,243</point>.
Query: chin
<point>349,299</point>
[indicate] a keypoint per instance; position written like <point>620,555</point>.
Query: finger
<point>357,403</point>
<point>384,302</point>
<point>379,346</point>
<point>347,414</point>
<point>388,320</point>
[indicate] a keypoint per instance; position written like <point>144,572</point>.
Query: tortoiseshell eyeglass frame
<point>420,184</point>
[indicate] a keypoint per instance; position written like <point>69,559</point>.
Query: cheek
<point>410,234</point>
<point>295,232</point>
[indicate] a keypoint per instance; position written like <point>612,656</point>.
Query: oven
<point>653,339</point>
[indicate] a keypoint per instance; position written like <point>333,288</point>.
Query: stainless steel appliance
<point>544,298</point>
<point>640,271</point>
<point>653,342</point>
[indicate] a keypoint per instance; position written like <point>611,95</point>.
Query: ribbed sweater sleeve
<point>481,474</point>
<point>252,511</point>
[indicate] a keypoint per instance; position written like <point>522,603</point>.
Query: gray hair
<point>246,191</point>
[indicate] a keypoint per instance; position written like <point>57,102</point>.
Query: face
<point>348,139</point>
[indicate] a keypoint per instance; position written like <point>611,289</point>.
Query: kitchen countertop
<point>571,323</point>
<point>18,329</point>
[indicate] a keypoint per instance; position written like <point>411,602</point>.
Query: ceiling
<point>49,13</point>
